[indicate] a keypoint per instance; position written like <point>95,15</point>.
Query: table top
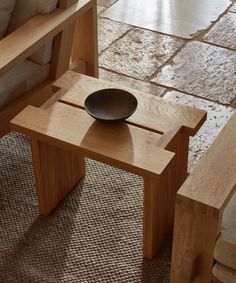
<point>153,113</point>
<point>136,144</point>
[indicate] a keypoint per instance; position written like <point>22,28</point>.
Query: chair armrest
<point>213,181</point>
<point>21,43</point>
<point>199,208</point>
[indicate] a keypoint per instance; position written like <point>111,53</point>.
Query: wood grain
<point>62,47</point>
<point>85,45</point>
<point>57,171</point>
<point>199,207</point>
<point>123,146</point>
<point>153,112</point>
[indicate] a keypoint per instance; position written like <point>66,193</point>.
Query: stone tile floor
<point>200,71</point>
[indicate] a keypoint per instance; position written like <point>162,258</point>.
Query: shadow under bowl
<point>111,104</point>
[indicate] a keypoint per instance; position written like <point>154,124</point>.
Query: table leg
<point>157,219</point>
<point>160,196</point>
<point>57,171</point>
<point>85,45</point>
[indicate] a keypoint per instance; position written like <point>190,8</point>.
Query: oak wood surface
<point>85,44</point>
<point>123,146</point>
<point>49,163</point>
<point>153,143</point>
<point>152,113</point>
<point>62,47</point>
<point>200,203</point>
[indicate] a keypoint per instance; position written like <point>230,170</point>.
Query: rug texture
<point>95,235</point>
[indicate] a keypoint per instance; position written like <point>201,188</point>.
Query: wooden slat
<point>62,46</point>
<point>152,113</point>
<point>123,146</point>
<point>85,44</point>
<point>36,32</point>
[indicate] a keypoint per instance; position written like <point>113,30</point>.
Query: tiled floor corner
<point>139,53</point>
<point>203,70</point>
<point>109,31</point>
<point>224,32</point>
<point>217,116</point>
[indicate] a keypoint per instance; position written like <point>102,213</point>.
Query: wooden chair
<point>205,227</point>
<point>73,27</point>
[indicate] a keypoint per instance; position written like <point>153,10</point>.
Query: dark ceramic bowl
<point>111,104</point>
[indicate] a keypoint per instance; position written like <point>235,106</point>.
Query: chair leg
<point>157,222</point>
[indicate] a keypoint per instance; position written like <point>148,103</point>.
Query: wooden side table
<point>152,143</point>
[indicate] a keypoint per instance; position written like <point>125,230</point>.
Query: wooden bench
<point>200,206</point>
<point>152,143</point>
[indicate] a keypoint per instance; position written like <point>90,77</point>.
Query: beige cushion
<point>224,274</point>
<point>21,79</point>
<point>25,10</point>
<point>6,8</point>
<point>225,248</point>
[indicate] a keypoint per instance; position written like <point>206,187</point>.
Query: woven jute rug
<point>95,235</point>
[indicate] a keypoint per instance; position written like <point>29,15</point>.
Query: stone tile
<point>105,3</point>
<point>100,9</point>
<point>217,116</point>
<point>181,18</point>
<point>203,70</point>
<point>132,83</point>
<point>233,8</point>
<point>109,31</point>
<point>224,32</point>
<point>139,53</point>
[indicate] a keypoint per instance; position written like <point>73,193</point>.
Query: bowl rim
<point>131,95</point>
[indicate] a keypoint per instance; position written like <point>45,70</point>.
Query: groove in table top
<point>124,146</point>
<point>153,112</point>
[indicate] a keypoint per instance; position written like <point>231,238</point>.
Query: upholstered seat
<point>34,70</point>
<point>22,78</point>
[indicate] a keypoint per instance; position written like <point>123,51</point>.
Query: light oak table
<point>152,143</point>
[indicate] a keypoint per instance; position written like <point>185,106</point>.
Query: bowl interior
<point>111,104</point>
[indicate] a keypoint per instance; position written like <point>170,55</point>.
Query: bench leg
<point>57,171</point>
<point>157,219</point>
